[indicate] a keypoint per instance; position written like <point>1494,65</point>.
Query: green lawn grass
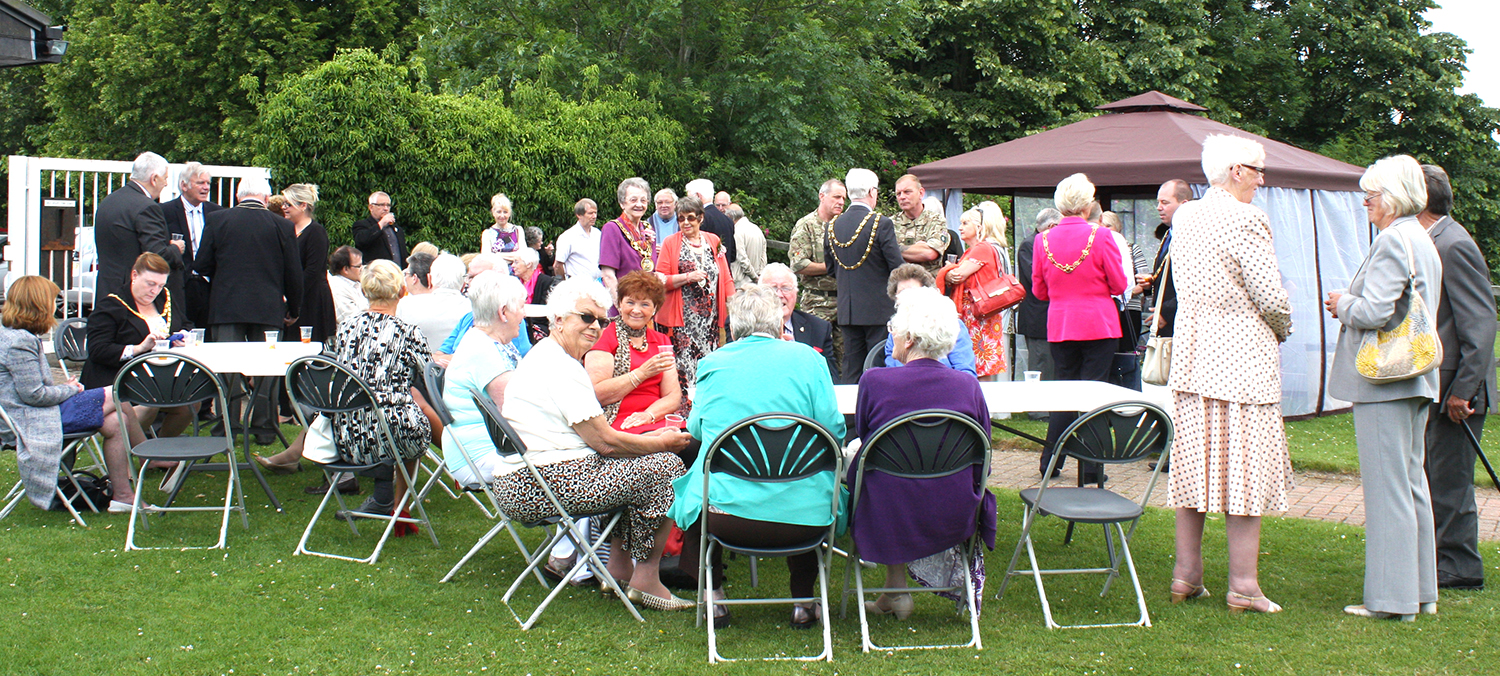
<point>75,603</point>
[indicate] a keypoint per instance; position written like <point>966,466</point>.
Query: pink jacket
<point>1081,307</point>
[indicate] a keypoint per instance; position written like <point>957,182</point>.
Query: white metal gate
<point>80,184</point>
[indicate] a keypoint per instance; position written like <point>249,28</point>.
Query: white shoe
<point>117,507</point>
<point>1362,611</point>
<point>1429,608</point>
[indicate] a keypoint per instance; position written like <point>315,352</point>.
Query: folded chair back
<point>70,342</point>
<point>326,386</point>
<point>433,376</point>
<point>925,444</point>
<point>506,439</point>
<point>166,380</point>
<point>1116,433</point>
<point>773,447</point>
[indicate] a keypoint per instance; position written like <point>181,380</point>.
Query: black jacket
<point>127,224</point>
<point>717,223</point>
<point>1031,316</point>
<point>372,244</point>
<point>250,257</point>
<point>1163,285</point>
<point>862,297</point>
<point>818,334</point>
<point>112,326</point>
<point>538,327</point>
<point>189,294</point>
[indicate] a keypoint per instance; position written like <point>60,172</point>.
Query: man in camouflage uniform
<point>922,234</point>
<point>819,296</point>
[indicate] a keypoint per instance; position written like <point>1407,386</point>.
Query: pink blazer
<point>1081,307</point>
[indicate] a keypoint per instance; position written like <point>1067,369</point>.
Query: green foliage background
<point>550,100</point>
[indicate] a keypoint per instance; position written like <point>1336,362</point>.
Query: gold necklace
<point>834,238</point>
<point>1074,265</point>
<point>166,314</point>
<point>870,242</point>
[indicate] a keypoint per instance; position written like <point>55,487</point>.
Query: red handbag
<point>992,293</point>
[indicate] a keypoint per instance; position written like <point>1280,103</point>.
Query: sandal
<point>1251,603</point>
<point>1195,591</point>
<point>670,604</point>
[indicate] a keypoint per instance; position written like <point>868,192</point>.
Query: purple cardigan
<point>901,520</point>
<point>1081,307</point>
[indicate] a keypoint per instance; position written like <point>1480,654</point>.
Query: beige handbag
<point>1156,366</point>
<point>1407,351</point>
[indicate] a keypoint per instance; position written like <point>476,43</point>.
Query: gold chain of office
<point>1074,265</point>
<point>870,242</point>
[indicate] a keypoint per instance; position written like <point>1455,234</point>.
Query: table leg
<point>1019,433</point>
<point>261,394</point>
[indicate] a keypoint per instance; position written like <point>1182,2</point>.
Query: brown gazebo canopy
<point>1144,140</point>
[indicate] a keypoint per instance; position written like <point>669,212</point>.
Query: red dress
<point>646,394</point>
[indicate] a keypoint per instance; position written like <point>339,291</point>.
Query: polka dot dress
<point>1228,458</point>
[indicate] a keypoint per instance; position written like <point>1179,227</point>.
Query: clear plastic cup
<point>197,337</point>
<point>1033,376</point>
<point>674,420</point>
<point>163,345</point>
<point>271,338</point>
<point>664,349</point>
<point>951,259</point>
<point>307,334</point>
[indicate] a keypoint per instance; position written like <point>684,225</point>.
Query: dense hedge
<point>356,124</point>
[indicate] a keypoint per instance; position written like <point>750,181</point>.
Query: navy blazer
<point>189,294</point>
<point>817,334</point>
<point>255,270</point>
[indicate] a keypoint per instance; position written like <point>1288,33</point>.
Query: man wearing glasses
<point>378,237</point>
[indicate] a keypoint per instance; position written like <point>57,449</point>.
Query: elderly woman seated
<point>590,466</point>
<point>44,412</point>
<point>736,382</point>
<point>913,276</point>
<point>896,520</point>
<point>634,377</point>
<point>385,352</point>
<point>483,361</point>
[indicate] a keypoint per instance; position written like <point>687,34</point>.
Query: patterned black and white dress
<point>385,352</point>
<point>698,336</point>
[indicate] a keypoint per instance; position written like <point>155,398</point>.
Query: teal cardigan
<point>750,376</point>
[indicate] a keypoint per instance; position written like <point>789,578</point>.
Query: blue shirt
<point>664,229</point>
<point>478,360</point>
<point>960,358</point>
<point>522,344</point>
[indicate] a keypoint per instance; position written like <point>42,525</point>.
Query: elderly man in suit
<point>861,251</point>
<point>797,325</point>
<point>378,237</point>
<point>1466,325</point>
<point>129,222</point>
<point>185,218</point>
<point>714,219</point>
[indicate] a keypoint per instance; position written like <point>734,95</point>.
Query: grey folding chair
<point>875,358</point>
<point>321,385</point>
<point>70,342</point>
<point>1115,434</point>
<point>927,444</point>
<point>771,448</point>
<point>70,449</point>
<point>508,443</point>
<point>432,376</point>
<point>165,380</point>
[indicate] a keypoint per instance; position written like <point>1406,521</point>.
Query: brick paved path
<point>1315,495</point>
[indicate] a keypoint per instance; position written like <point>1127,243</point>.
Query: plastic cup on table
<point>271,338</point>
<point>163,345</point>
<point>1033,376</point>
<point>307,334</point>
<point>674,420</point>
<point>197,337</point>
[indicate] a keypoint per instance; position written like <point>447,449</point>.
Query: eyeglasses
<point>591,318</point>
<point>782,288</point>
<point>381,204</point>
<point>1371,196</point>
<point>1258,170</point>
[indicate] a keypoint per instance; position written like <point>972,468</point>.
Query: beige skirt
<point>1228,458</point>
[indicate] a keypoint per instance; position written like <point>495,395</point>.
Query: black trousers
<point>752,533</point>
<point>858,340</point>
<point>1077,360</point>
<point>262,417</point>
<point>1450,481</point>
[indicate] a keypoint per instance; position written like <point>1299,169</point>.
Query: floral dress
<point>699,334</point>
<point>385,352</point>
<point>987,333</point>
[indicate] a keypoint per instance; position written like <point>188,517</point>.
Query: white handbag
<point>318,446</point>
<point>1156,366</point>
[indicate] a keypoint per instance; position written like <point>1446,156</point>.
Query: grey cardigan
<point>1378,299</point>
<point>30,398</point>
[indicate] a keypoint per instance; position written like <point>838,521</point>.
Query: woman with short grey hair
<point>483,361</point>
<point>1390,418</point>
<point>628,243</point>
<point>1229,453</point>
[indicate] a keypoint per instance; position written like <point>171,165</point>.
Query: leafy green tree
<point>358,124</point>
<point>183,77</point>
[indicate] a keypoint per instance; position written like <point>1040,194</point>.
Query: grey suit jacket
<point>31,400</point>
<point>1378,299</point>
<point>128,224</point>
<point>1465,314</point>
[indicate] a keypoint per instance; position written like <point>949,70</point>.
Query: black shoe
<point>348,485</point>
<point>805,618</point>
<point>1166,466</point>
<point>265,439</point>
<point>369,507</point>
<point>1455,582</point>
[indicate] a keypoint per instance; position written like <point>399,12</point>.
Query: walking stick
<point>1480,451</point>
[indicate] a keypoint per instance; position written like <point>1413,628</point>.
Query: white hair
<point>1221,152</point>
<point>1074,194</point>
<point>528,255</point>
<point>190,172</point>
<point>829,184</point>
<point>935,205</point>
<point>627,184</point>
<point>1046,218</point>
<point>928,318</point>
<point>860,182</point>
<point>253,186</point>
<point>754,309</point>
<point>492,261</point>
<point>493,290</point>
<point>447,272</point>
<point>774,269</point>
<point>564,298</point>
<point>702,188</point>
<point>668,192</point>
<point>1400,181</point>
<point>147,166</point>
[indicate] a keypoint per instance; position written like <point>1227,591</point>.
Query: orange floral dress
<point>988,333</point>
